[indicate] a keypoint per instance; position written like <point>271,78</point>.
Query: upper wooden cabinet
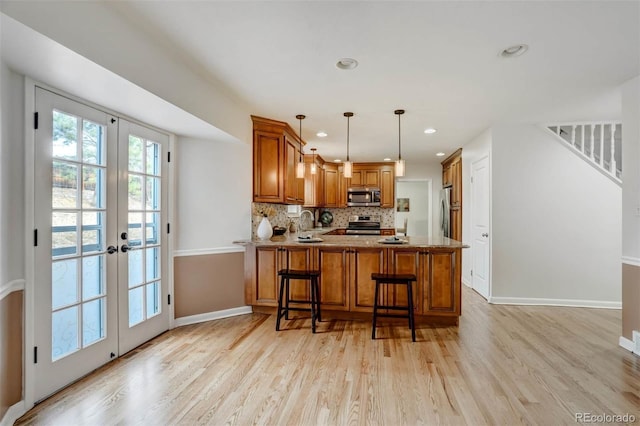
<point>374,175</point>
<point>314,193</point>
<point>452,177</point>
<point>276,150</point>
<point>331,185</point>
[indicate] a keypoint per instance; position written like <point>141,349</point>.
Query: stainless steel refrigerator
<point>445,211</point>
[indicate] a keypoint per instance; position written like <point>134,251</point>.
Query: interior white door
<point>480,223</point>
<point>75,288</point>
<point>142,206</point>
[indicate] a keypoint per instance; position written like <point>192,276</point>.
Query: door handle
<point>112,249</point>
<point>125,248</point>
<point>485,235</point>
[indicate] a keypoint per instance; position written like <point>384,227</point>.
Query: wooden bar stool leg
<point>317,287</point>
<point>286,299</point>
<point>375,311</point>
<point>280,304</point>
<point>412,323</point>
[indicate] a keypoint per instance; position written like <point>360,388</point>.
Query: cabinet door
<point>333,264</point>
<point>405,261</point>
<point>356,179</point>
<point>364,262</point>
<point>441,294</point>
<point>343,184</point>
<point>387,186</point>
<point>371,178</point>
<point>293,187</point>
<point>456,181</point>
<point>331,186</point>
<point>268,172</point>
<point>456,224</point>
<point>446,176</point>
<point>266,284</point>
<point>298,258</point>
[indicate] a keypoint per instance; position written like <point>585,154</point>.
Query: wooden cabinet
<point>276,150</point>
<point>364,262</point>
<point>333,264</point>
<point>314,194</point>
<point>331,185</point>
<point>387,186</point>
<point>268,261</point>
<point>452,177</point>
<point>345,277</point>
<point>375,175</point>
<point>441,295</point>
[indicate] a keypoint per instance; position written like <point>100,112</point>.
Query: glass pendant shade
<point>399,168</point>
<point>300,166</point>
<point>348,169</point>
<point>314,168</point>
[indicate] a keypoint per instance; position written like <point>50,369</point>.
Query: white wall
<point>428,170</point>
<point>556,222</point>
<point>12,244</point>
<point>213,193</point>
<point>479,147</point>
<point>418,217</point>
<point>631,169</point>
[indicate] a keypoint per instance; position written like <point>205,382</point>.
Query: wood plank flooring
<point>502,365</point>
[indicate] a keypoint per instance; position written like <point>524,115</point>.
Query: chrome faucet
<point>313,219</point>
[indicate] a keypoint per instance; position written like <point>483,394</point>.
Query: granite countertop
<point>353,241</point>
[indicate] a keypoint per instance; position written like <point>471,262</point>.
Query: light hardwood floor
<point>502,365</point>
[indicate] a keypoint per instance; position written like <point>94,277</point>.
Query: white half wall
<point>213,193</point>
<point>12,214</point>
<point>631,169</point>
<point>479,147</point>
<point>556,221</point>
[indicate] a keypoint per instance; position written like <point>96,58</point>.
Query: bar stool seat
<point>394,279</point>
<point>284,296</point>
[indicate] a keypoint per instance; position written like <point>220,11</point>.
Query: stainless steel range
<point>363,225</point>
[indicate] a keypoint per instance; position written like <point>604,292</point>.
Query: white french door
<point>99,245</point>
<point>142,203</point>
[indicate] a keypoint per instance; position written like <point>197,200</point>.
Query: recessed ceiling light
<point>387,159</point>
<point>321,134</point>
<point>347,64</point>
<point>337,160</point>
<point>440,154</point>
<point>430,130</point>
<point>513,51</point>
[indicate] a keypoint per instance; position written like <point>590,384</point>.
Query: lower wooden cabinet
<point>345,276</point>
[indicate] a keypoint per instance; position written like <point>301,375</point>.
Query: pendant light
<point>300,167</point>
<point>314,168</point>
<point>348,165</point>
<point>400,162</point>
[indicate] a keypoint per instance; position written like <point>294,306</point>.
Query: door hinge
<point>35,238</point>
<point>168,156</point>
<point>35,354</point>
<point>35,120</point>
<point>168,228</point>
<point>472,272</point>
<point>168,299</point>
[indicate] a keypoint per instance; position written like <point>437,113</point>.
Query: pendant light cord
<point>300,117</point>
<point>347,138</point>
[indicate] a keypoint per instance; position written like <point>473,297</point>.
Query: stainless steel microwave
<point>363,197</point>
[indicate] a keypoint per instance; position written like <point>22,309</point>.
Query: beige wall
<point>208,283</point>
<point>630,297</point>
<point>11,319</point>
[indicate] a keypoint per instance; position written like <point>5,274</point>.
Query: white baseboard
<point>14,412</point>
<point>626,343</point>
<point>466,282</point>
<point>209,316</point>
<point>555,302</point>
<point>628,260</point>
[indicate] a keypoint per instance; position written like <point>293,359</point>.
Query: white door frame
<point>470,210</point>
<point>429,197</point>
<point>29,205</point>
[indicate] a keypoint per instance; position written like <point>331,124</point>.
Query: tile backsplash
<point>340,215</point>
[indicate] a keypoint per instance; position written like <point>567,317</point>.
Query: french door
<point>100,248</point>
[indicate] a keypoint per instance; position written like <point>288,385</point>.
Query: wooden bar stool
<point>394,279</point>
<point>283,297</point>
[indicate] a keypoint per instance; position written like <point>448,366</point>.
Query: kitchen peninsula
<point>346,264</point>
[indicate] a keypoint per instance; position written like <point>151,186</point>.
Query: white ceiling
<point>437,60</point>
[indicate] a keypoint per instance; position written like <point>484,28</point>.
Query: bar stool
<point>394,279</point>
<point>291,274</point>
